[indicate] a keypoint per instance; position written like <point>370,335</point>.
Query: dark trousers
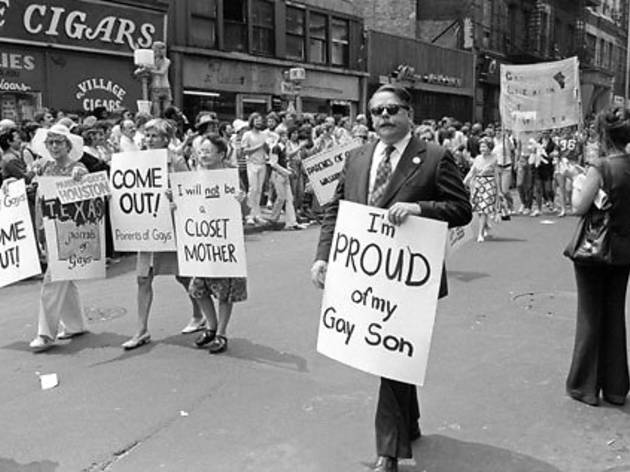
<point>600,359</point>
<point>397,415</point>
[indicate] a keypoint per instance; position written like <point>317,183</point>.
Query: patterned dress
<point>484,186</point>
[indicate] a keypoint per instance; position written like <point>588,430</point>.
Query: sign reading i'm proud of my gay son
<point>381,292</point>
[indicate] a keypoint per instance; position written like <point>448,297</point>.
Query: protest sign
<point>540,96</point>
<point>90,186</point>
<point>460,235</point>
<point>209,223</point>
<point>323,170</point>
<point>139,208</point>
<point>75,233</point>
<point>381,292</point>
<point>18,246</point>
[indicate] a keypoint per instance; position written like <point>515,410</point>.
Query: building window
<point>202,30</point>
<point>317,43</point>
<point>262,27</point>
<point>235,25</point>
<point>295,33</point>
<point>340,48</point>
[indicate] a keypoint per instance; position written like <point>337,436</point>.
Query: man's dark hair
<point>403,95</point>
<point>7,137</point>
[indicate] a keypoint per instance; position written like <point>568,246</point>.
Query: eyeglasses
<point>58,142</point>
<point>392,109</point>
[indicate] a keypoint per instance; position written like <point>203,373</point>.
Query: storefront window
<point>317,45</point>
<point>295,33</point>
<point>19,107</point>
<point>262,27</point>
<point>315,105</point>
<point>235,24</point>
<point>202,31</point>
<point>222,103</point>
<point>340,49</point>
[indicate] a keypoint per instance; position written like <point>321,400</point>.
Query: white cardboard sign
<point>209,223</point>
<point>323,170</point>
<point>381,292</point>
<point>139,207</point>
<point>18,246</point>
<point>75,234</point>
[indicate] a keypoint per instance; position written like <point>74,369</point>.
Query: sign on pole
<point>75,233</point>
<point>381,292</point>
<point>18,246</point>
<point>541,96</point>
<point>209,224</point>
<point>323,170</point>
<point>139,207</point>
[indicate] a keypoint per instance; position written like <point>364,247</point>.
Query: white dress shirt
<point>394,158</point>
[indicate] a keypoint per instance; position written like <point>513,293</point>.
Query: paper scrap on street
<point>48,381</point>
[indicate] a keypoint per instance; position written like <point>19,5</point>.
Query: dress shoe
<point>385,464</point>
<point>206,337</point>
<point>136,342</point>
<point>41,344</point>
<point>193,326</point>
<point>70,335</point>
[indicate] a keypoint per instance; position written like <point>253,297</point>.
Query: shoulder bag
<point>590,244</point>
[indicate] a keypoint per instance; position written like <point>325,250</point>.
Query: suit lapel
<point>408,165</point>
<point>363,177</point>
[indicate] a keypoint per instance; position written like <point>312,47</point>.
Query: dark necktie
<point>383,174</point>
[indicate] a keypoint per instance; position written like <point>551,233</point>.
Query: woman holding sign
<point>227,290</point>
<point>158,133</point>
<point>59,302</point>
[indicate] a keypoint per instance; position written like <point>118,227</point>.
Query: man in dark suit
<point>408,177</point>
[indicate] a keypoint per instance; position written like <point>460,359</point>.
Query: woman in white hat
<point>59,303</point>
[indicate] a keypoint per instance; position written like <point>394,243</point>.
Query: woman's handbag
<point>591,241</point>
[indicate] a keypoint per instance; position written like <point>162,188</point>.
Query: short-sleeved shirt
<point>253,139</point>
<point>569,147</point>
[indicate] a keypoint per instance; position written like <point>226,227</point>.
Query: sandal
<point>136,342</point>
<point>219,344</point>
<point>204,338</point>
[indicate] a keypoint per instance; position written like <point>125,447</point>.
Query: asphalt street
<point>493,400</point>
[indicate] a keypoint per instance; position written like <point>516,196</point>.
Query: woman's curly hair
<point>613,126</point>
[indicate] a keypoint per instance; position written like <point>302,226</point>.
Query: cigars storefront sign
<point>73,55</point>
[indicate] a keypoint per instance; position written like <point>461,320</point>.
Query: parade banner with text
<point>139,207</point>
<point>209,223</point>
<point>75,233</point>
<point>540,96</point>
<point>381,292</point>
<point>90,186</point>
<point>18,247</point>
<point>323,170</point>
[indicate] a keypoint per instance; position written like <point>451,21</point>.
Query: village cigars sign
<point>88,24</point>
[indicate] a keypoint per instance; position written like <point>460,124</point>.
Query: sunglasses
<point>392,109</point>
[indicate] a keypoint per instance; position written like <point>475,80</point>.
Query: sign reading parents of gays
<point>18,247</point>
<point>540,96</point>
<point>75,233</point>
<point>323,170</point>
<point>210,239</point>
<point>381,292</point>
<point>139,208</point>
<point>90,186</point>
